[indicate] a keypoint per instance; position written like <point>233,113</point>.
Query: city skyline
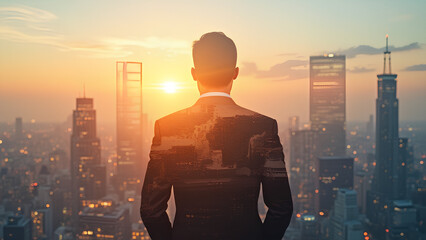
<point>103,133</point>
<point>61,54</point>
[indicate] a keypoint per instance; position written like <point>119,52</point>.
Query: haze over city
<point>51,50</point>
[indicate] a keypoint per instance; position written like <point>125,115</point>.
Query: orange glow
<point>298,215</point>
<point>169,87</point>
<point>321,213</point>
<point>387,230</point>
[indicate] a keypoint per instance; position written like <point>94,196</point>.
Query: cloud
<point>369,50</point>
<point>419,67</point>
<point>288,70</point>
<point>360,70</point>
<point>27,25</point>
<point>26,14</point>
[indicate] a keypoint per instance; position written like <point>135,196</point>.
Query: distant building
<point>130,164</point>
<point>401,221</point>
<point>333,173</point>
<point>303,151</point>
<point>293,123</point>
<point>362,185</point>
<point>17,227</point>
<point>42,223</point>
<point>327,110</point>
<point>370,127</point>
<point>389,181</point>
<point>344,223</point>
<point>63,233</point>
<point>19,131</point>
<point>87,174</point>
<point>104,220</point>
<point>309,228</point>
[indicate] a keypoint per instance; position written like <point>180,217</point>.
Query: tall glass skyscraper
<point>130,166</point>
<point>389,181</point>
<point>386,175</point>
<point>87,174</point>
<point>328,103</point>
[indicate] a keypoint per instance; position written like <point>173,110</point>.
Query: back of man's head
<point>215,58</point>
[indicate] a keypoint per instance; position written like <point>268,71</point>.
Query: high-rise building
<point>386,175</point>
<point>327,111</point>
<point>42,223</point>
<point>309,228</point>
<point>303,152</point>
<point>87,173</point>
<point>103,220</point>
<point>293,123</point>
<point>17,227</point>
<point>130,168</point>
<point>333,173</point>
<point>401,221</point>
<point>389,180</point>
<point>19,132</point>
<point>344,223</point>
<point>370,127</point>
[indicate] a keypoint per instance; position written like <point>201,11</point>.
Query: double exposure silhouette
<point>216,155</point>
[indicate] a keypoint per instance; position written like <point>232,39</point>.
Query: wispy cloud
<point>369,50</point>
<point>26,14</point>
<point>360,70</point>
<point>419,67</point>
<point>28,25</point>
<point>288,70</point>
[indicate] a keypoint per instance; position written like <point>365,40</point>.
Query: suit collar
<point>215,100</point>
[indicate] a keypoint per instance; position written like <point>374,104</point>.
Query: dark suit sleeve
<point>275,185</point>
<point>156,192</point>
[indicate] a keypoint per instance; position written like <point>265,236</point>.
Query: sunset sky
<point>50,49</point>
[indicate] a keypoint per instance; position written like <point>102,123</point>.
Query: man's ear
<point>194,74</point>
<point>236,71</point>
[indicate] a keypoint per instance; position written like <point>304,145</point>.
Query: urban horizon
<point>94,121</point>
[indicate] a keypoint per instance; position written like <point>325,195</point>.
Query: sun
<point>169,87</point>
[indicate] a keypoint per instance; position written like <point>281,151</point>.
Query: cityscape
<point>63,181</point>
<point>82,85</point>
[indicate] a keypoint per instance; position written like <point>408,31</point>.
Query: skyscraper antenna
<point>387,53</point>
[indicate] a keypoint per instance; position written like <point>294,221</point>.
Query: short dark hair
<point>215,57</point>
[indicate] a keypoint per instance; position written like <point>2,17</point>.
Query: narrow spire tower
<point>387,53</point>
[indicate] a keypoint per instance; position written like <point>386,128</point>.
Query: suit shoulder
<point>173,117</point>
<point>261,117</point>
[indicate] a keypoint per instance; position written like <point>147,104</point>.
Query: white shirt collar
<point>212,94</point>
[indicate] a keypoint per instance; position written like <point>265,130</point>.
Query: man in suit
<point>216,154</point>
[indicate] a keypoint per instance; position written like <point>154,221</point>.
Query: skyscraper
<point>386,175</point>
<point>130,167</point>
<point>17,227</point>
<point>333,173</point>
<point>389,178</point>
<point>104,220</point>
<point>344,223</point>
<point>303,152</point>
<point>19,132</point>
<point>328,102</point>
<point>87,173</point>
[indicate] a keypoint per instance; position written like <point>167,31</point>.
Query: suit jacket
<point>216,154</point>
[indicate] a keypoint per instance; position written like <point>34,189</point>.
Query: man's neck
<point>215,94</point>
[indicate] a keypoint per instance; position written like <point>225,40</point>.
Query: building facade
<point>328,102</point>
<point>87,173</point>
<point>130,165</point>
